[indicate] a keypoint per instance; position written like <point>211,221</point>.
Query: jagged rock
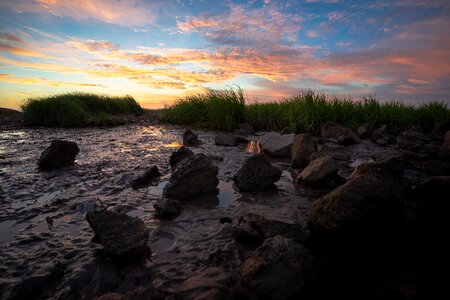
<point>445,148</point>
<point>332,130</point>
<point>192,177</point>
<point>179,155</point>
<point>256,174</point>
<point>364,130</point>
<point>412,139</point>
<point>301,150</point>
<point>190,138</point>
<point>279,269</point>
<point>146,178</point>
<point>58,154</point>
<point>276,145</point>
<point>167,208</point>
<point>226,139</point>
<point>368,203</point>
<point>319,171</point>
<point>247,128</point>
<point>123,237</point>
<point>255,228</point>
<point>348,137</point>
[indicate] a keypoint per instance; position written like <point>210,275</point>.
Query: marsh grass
<point>306,112</point>
<point>78,109</point>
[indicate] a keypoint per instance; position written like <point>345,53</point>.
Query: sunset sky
<point>160,50</point>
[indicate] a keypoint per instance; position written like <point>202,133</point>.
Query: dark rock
<point>279,269</point>
<point>255,228</point>
<point>285,130</point>
<point>192,177</point>
<point>380,136</point>
<point>364,131</point>
<point>440,129</point>
<point>146,178</point>
<point>179,155</point>
<point>190,138</point>
<point>247,128</point>
<point>140,293</point>
<point>123,237</point>
<point>167,208</point>
<point>368,204</point>
<point>319,171</point>
<point>348,137</point>
<point>433,195</point>
<point>241,136</point>
<point>226,139</point>
<point>276,145</point>
<point>301,150</point>
<point>58,154</point>
<point>336,151</point>
<point>412,139</point>
<point>332,130</point>
<point>224,220</point>
<point>445,148</point>
<point>256,174</point>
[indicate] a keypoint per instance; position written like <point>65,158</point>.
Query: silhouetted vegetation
<point>305,112</point>
<point>78,109</point>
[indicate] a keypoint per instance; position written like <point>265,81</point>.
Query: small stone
<point>190,138</point>
<point>226,139</point>
<point>59,154</point>
<point>146,178</point>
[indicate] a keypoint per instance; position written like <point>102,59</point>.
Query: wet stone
<point>256,174</point>
<point>190,138</point>
<point>277,145</point>
<point>146,178</point>
<point>59,154</point>
<point>179,155</point>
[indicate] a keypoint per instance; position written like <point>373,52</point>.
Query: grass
<point>305,112</point>
<point>78,109</point>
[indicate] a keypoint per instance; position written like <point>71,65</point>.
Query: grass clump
<point>306,112</point>
<point>214,109</point>
<point>78,109</point>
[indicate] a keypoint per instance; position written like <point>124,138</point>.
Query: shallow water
<point>109,158</point>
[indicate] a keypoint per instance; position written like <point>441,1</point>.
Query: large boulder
<point>167,208</point>
<point>279,269</point>
<point>190,138</point>
<point>412,139</point>
<point>320,171</point>
<point>179,155</point>
<point>301,150</point>
<point>440,129</point>
<point>336,151</point>
<point>59,154</point>
<point>146,178</point>
<point>192,177</point>
<point>123,237</point>
<point>432,194</point>
<point>277,145</point>
<point>332,130</point>
<point>226,139</point>
<point>255,228</point>
<point>368,203</point>
<point>364,130</point>
<point>380,136</point>
<point>256,174</point>
<point>348,137</point>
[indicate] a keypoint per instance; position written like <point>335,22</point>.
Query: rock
<point>192,177</point>
<point>256,174</point>
<point>123,237</point>
<point>226,139</point>
<point>140,293</point>
<point>319,171</point>
<point>440,129</point>
<point>276,145</point>
<point>255,228</point>
<point>336,151</point>
<point>146,178</point>
<point>59,154</point>
<point>285,130</point>
<point>332,130</point>
<point>241,136</point>
<point>179,155</point>
<point>167,208</point>
<point>348,137</point>
<point>380,136</point>
<point>190,138</point>
<point>247,128</point>
<point>412,139</point>
<point>301,150</point>
<point>433,196</point>
<point>445,148</point>
<point>364,131</point>
<point>279,269</point>
<point>368,204</point>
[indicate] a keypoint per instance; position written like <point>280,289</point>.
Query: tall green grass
<point>78,109</point>
<point>306,112</point>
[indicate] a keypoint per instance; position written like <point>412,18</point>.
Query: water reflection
<point>253,147</point>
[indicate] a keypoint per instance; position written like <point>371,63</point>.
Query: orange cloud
<point>10,78</point>
<point>19,51</point>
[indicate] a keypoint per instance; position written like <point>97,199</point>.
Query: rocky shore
<point>242,215</point>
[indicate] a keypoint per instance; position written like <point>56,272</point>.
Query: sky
<point>161,50</point>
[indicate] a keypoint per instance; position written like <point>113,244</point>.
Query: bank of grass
<point>305,112</point>
<point>78,109</point>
